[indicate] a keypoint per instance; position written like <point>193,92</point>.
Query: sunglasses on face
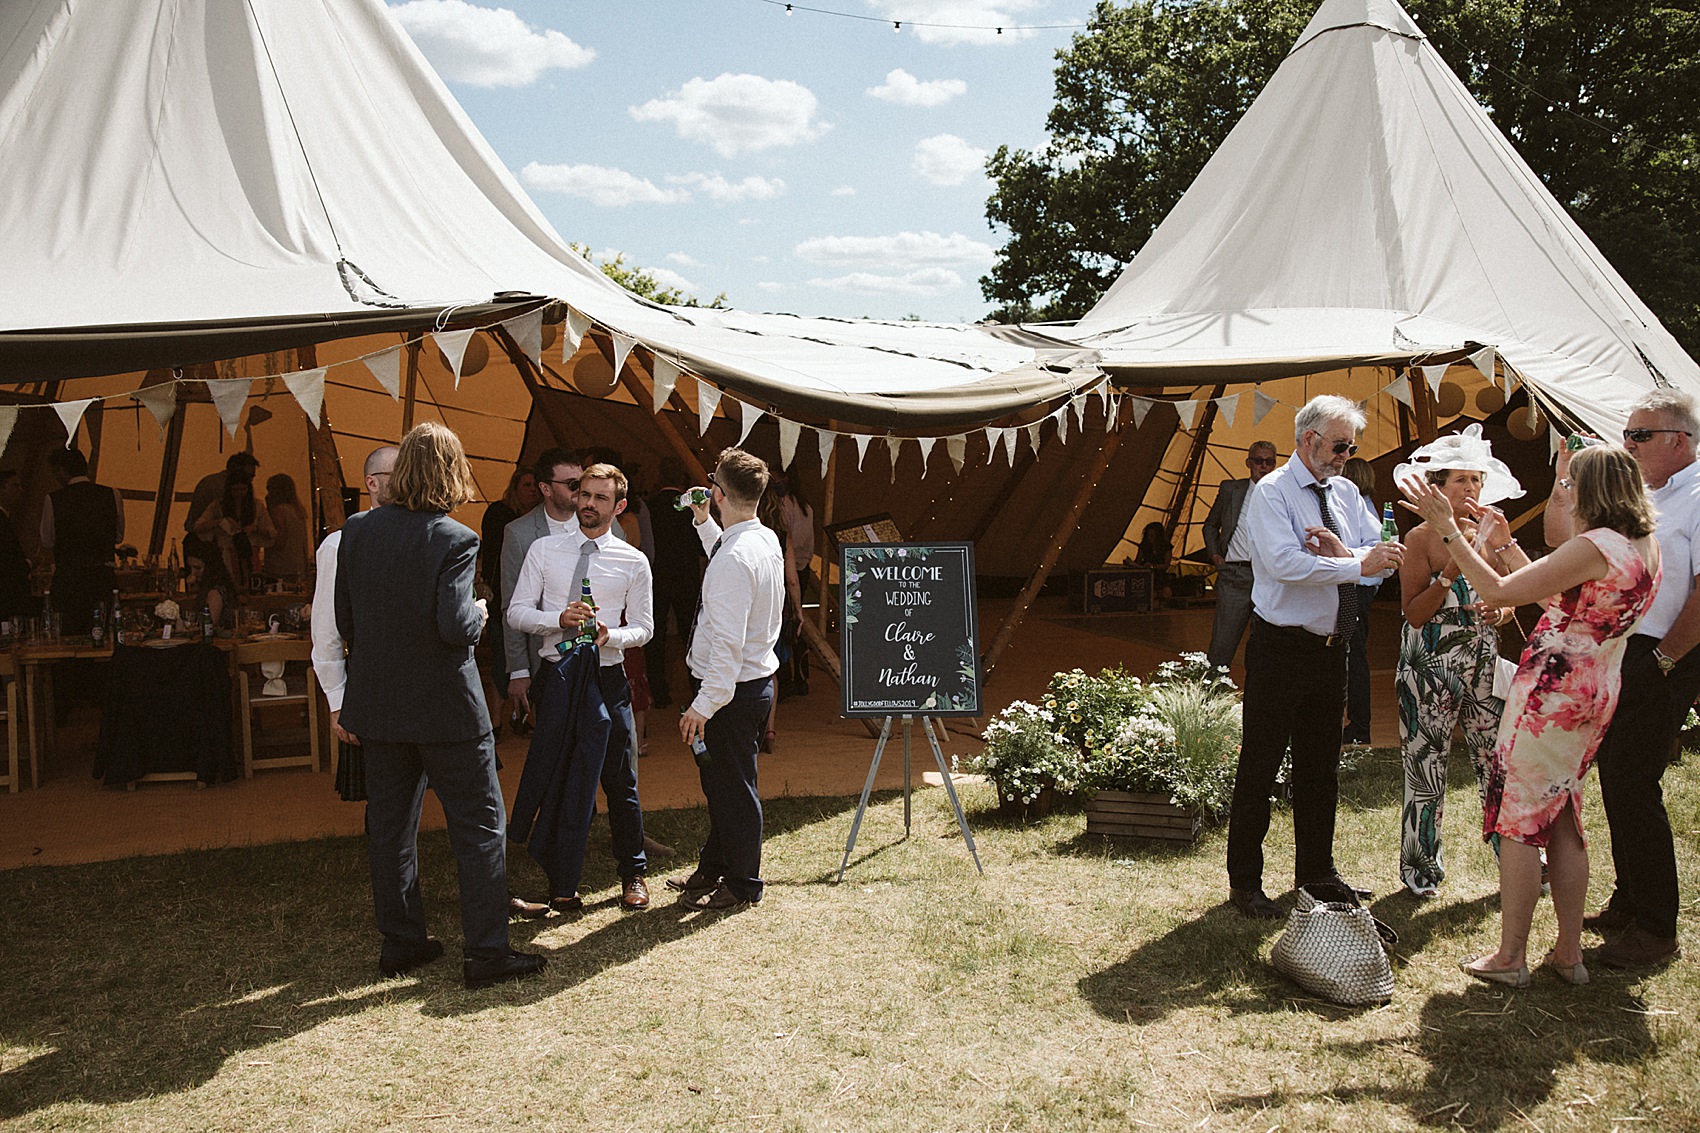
<point>1345,447</point>
<point>569,485</point>
<point>1261,461</point>
<point>1642,436</point>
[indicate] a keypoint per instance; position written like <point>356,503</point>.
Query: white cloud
<point>667,277</point>
<point>906,90</point>
<point>738,113</point>
<point>945,159</point>
<point>969,16</point>
<point>724,192</point>
<point>903,251</point>
<point>844,191</point>
<point>926,282</point>
<point>600,185</point>
<point>683,260</point>
<point>486,47</point>
<point>770,285</point>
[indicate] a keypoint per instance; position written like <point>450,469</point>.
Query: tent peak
<point>1334,15</point>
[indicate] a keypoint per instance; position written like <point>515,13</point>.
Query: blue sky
<point>807,163</point>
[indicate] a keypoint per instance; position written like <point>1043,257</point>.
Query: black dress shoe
<point>718,899</point>
<point>1255,903</point>
<point>530,910</point>
<point>400,961</point>
<point>513,966</point>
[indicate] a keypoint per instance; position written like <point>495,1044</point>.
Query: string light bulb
<point>787,9</point>
<point>896,25</point>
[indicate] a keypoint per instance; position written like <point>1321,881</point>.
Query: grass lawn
<point>1077,985</point>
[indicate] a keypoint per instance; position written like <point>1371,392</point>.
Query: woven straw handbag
<point>1337,951</point>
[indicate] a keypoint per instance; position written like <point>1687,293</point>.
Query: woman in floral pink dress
<point>1595,588</point>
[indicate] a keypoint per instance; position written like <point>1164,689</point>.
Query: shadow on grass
<point>142,977</point>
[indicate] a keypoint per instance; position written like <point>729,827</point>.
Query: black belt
<point>1300,634</point>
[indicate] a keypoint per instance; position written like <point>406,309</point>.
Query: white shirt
<point>743,598</point>
<point>1239,547</point>
<point>330,661</point>
<point>1678,535</point>
<point>1289,585</point>
<point>620,584</point>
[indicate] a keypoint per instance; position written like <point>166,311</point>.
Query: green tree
<point>1601,98</point>
<point>641,283</point>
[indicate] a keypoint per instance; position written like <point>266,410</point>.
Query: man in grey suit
<point>1230,549</point>
<point>415,703</point>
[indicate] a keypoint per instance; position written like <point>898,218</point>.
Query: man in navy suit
<point>405,605</point>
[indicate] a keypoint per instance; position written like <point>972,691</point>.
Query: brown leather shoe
<point>1638,948</point>
<point>1610,918</point>
<point>692,887</point>
<point>634,893</point>
<point>654,849</point>
<point>573,904</point>
<point>530,910</point>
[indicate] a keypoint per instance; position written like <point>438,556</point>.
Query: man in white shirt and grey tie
<point>732,662</point>
<point>1312,544</point>
<point>546,604</point>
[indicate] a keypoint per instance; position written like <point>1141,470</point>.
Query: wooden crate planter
<point>1132,814</point>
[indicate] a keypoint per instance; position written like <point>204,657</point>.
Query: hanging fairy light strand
<point>898,25</point>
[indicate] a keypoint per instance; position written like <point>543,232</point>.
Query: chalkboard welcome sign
<point>909,643</point>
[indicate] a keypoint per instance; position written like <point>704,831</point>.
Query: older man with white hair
<point>1312,544</point>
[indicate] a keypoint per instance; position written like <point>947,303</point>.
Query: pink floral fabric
<point>1564,695</point>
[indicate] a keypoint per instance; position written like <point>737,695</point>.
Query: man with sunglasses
<point>558,474</point>
<point>1661,677</point>
<point>1229,546</point>
<point>1312,544</point>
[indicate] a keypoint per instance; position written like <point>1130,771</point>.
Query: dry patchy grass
<point>1077,985</point>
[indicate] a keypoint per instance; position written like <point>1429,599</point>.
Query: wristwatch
<point>1666,663</point>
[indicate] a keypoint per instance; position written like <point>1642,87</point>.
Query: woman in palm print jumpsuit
<point>1448,650</point>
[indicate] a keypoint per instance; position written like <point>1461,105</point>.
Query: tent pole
<point>828,498</point>
<point>627,378</point>
<point>93,418</point>
<point>323,463</point>
<point>167,483</point>
<point>413,346</point>
<point>1065,528</point>
<point>1194,462</point>
<point>1423,402</point>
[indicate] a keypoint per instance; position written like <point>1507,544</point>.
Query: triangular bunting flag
<point>1433,376</point>
<point>1079,405</point>
<point>1141,406</point>
<point>927,444</point>
<point>161,401</point>
<point>707,398</point>
<point>957,447</point>
<point>1009,446</point>
<point>1261,404</point>
<point>894,445</point>
<point>577,326</point>
<point>1188,411</point>
<point>1554,442</point>
<point>622,350</point>
<point>861,440</point>
<point>452,344</point>
<point>825,439</point>
<point>71,412</point>
<point>1103,392</point>
<point>666,377</point>
<point>1113,419</point>
<point>308,386</point>
<point>8,418</point>
<point>1227,407</point>
<point>751,415</point>
<point>527,331</point>
<point>386,367</point>
<point>789,431</point>
<point>992,436</point>
<point>228,396</point>
<point>1033,436</point>
<point>1400,388</point>
<point>1483,361</point>
<point>1061,417</point>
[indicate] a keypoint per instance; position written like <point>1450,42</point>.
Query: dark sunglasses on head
<point>1642,436</point>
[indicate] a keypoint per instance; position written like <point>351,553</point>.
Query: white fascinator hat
<point>1470,451</point>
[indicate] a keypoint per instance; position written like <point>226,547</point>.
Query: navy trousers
<point>613,767</point>
<point>1295,689</point>
<point>463,774</point>
<point>733,736</point>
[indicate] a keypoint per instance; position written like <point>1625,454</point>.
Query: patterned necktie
<point>1347,617</point>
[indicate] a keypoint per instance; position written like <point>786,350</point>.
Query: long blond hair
<point>431,472</point>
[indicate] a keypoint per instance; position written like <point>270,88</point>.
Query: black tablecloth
<point>166,710</point>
